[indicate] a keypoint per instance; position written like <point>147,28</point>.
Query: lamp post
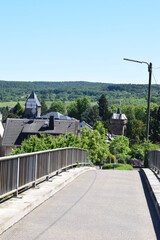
<point>149,91</point>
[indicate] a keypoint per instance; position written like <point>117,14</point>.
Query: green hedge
<point>118,166</point>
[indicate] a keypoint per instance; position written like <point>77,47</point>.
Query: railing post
<point>77,156</point>
<point>81,157</point>
<point>48,166</point>
<point>66,157</point>
<point>58,157</point>
<point>17,177</point>
<point>72,157</point>
<point>35,170</point>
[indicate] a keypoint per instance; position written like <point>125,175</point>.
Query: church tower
<point>118,123</point>
<point>32,107</point>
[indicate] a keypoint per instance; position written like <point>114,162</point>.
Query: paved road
<point>109,205</point>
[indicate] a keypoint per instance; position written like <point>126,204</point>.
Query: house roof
<point>56,115</point>
<point>84,124</point>
<point>16,130</point>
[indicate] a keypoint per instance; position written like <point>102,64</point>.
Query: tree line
<point>95,142</point>
<point>70,91</point>
<point>84,110</point>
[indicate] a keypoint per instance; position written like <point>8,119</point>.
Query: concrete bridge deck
<point>109,205</point>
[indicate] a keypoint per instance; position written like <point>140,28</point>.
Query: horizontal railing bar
<point>34,153</point>
<point>32,168</point>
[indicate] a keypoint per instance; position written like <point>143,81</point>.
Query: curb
<point>154,187</point>
<point>15,209</point>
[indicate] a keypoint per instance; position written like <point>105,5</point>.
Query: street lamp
<point>149,91</point>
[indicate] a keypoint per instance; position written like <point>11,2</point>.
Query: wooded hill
<point>70,91</point>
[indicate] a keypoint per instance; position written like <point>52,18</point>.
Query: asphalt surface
<point>109,205</point>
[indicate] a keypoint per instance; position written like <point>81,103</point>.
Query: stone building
<point>118,123</point>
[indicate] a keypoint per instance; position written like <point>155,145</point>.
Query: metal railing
<point>25,170</point>
<point>154,160</point>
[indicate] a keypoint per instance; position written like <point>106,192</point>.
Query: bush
<point>108,166</point>
<point>124,167</point>
<point>118,166</point>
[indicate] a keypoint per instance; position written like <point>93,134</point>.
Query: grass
<point>11,104</point>
<point>118,166</point>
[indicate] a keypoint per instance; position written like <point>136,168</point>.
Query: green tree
<point>16,112</point>
<point>103,107</point>
<point>137,151</point>
<point>95,143</point>
<point>44,108</point>
<point>138,131</point>
<point>72,110</point>
<point>100,128</point>
<point>120,147</point>
<point>103,110</point>
<point>82,105</point>
<point>91,115</point>
<point>78,108</point>
<point>58,106</point>
<point>155,124</point>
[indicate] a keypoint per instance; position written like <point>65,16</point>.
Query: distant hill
<point>70,91</point>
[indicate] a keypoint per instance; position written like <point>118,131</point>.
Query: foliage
<point>78,108</point>
<point>137,151</point>
<point>103,108</point>
<point>124,167</point>
<point>117,166</point>
<point>16,112</point>
<point>155,124</point>
<point>100,128</point>
<point>120,147</point>
<point>148,146</point>
<point>95,143</point>
<point>44,108</point>
<point>91,115</point>
<point>140,151</point>
<point>90,140</point>
<point>57,106</point>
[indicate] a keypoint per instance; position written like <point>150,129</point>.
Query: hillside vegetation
<point>70,91</point>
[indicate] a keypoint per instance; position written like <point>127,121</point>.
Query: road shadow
<point>151,206</point>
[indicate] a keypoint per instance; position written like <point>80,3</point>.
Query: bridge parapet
<point>25,170</point>
<point>154,160</point>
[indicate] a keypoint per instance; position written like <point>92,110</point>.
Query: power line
<point>154,78</point>
<point>156,67</point>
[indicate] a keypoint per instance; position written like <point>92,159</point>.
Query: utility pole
<point>149,92</point>
<point>149,100</point>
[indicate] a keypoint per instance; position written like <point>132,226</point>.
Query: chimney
<point>51,123</point>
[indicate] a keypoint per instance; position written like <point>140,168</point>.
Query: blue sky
<point>73,40</point>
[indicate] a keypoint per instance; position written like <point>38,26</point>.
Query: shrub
<point>118,166</point>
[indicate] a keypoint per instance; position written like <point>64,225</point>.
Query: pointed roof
<point>34,96</point>
<point>118,111</point>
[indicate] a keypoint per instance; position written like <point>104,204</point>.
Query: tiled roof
<point>16,130</point>
<point>119,116</point>
<point>56,115</point>
<point>33,96</point>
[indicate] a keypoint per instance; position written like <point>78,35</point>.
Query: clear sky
<point>79,40</point>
